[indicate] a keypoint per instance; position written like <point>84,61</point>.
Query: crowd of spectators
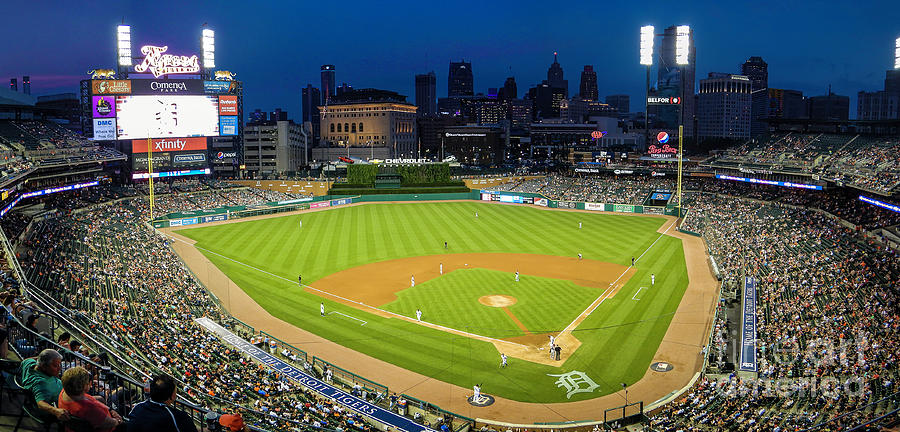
<point>865,162</point>
<point>828,320</point>
<point>818,283</point>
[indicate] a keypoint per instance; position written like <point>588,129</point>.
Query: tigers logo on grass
<point>482,401</point>
<point>575,382</point>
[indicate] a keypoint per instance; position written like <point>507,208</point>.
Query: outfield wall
<point>237,212</point>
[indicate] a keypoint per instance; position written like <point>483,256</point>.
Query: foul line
<point>636,293</point>
<point>348,316</point>
<point>609,291</point>
<point>428,324</point>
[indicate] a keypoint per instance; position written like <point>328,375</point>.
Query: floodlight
<point>209,48</point>
<point>897,55</point>
<point>682,44</point>
<point>647,34</point>
<point>124,45</point>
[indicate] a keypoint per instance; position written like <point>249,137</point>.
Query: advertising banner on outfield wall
<point>595,206</point>
<point>623,208</point>
<point>213,218</point>
<point>321,204</point>
<point>748,327</point>
<point>541,202</point>
<point>341,201</point>
<point>567,204</point>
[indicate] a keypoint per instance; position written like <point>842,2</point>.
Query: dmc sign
<point>655,100</point>
<point>160,64</point>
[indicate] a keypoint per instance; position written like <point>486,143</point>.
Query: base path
<point>681,346</point>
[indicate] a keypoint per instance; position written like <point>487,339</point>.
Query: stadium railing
<point>847,422</point>
<point>284,345</point>
<point>431,412</point>
<point>349,379</point>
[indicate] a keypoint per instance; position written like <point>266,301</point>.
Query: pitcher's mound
<point>497,300</point>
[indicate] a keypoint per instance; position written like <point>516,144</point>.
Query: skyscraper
<point>26,84</point>
<point>724,106</point>
<point>622,103</point>
<point>310,100</point>
<point>555,77</point>
<point>671,83</point>
<point>426,94</point>
<point>758,71</point>
<point>509,90</point>
<point>588,88</point>
<point>328,82</point>
<point>13,84</point>
<point>460,81</point>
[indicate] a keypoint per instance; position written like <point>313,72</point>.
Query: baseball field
<point>360,261</point>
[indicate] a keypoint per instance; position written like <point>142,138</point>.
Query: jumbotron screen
<point>162,116</point>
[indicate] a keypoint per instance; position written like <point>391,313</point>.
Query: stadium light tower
<point>209,49</point>
<point>647,35</point>
<point>123,38</point>
<point>682,50</point>
<point>897,54</point>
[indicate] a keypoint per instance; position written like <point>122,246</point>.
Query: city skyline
<point>276,61</point>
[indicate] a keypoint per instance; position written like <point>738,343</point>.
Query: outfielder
<point>652,279</point>
<point>579,225</point>
<point>502,360</point>
<point>418,315</point>
<point>322,309</point>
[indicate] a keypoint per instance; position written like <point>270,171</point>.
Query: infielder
<point>517,275</point>
<point>552,341</point>
<point>412,280</point>
<point>502,360</point>
<point>300,280</point>
<point>322,309</point>
<point>442,268</point>
<point>652,279</point>
<point>579,257</point>
<point>418,315</point>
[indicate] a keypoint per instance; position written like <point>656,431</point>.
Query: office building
<point>622,103</point>
<point>343,88</point>
<point>830,107</point>
<point>370,118</point>
<point>521,112</point>
<point>460,81</point>
<point>275,146</point>
<point>13,84</point>
<point>426,94</point>
<point>757,70</point>
<point>555,77</point>
<point>26,84</point>
<point>674,80</point>
<point>546,100</point>
<point>588,88</point>
<point>509,90</point>
<point>724,105</point>
<point>309,104</point>
<point>328,83</point>
<point>878,105</point>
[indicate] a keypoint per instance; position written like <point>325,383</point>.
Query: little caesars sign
<point>160,64</point>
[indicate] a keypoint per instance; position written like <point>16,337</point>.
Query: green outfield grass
<point>618,339</point>
<point>452,301</point>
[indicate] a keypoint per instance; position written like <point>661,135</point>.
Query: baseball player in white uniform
<point>517,275</point>
<point>579,225</point>
<point>419,314</point>
<point>322,309</point>
<point>502,360</point>
<point>477,390</point>
<point>652,279</point>
<point>412,281</point>
<point>442,268</point>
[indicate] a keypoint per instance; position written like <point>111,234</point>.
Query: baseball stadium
<point>146,270</point>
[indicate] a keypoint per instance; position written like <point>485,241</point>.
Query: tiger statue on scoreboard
<point>225,76</point>
<point>102,74</point>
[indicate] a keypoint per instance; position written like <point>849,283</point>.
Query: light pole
<point>682,50</point>
<point>647,35</point>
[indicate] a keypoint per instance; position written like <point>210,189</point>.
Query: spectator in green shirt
<point>40,375</point>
